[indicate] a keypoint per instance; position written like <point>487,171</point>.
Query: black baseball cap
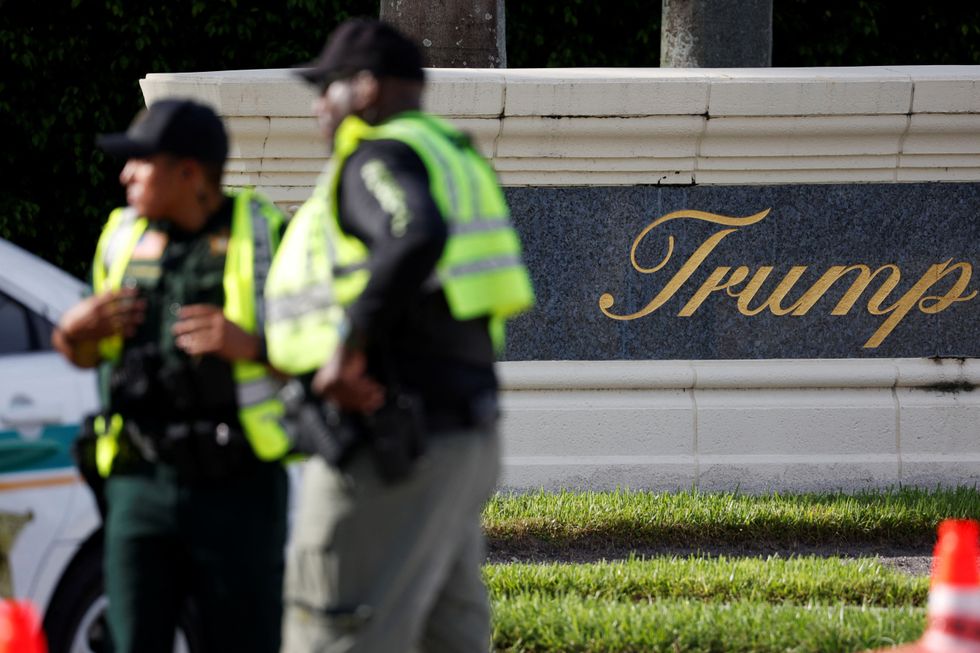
<point>365,44</point>
<point>175,126</point>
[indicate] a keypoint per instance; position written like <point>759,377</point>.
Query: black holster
<point>397,436</point>
<point>394,435</point>
<point>206,450</point>
<point>83,451</point>
<point>315,427</point>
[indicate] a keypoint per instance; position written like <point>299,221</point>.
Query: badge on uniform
<point>219,243</point>
<point>150,246</point>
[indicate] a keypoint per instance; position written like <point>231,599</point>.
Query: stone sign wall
<point>744,276</point>
<point>790,271</point>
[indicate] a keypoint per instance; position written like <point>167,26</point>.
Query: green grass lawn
<point>10,525</point>
<point>801,581</point>
<point>534,622</point>
<point>694,519</point>
<point>721,604</point>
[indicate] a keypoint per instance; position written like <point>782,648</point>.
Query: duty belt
<point>197,449</point>
<point>476,412</point>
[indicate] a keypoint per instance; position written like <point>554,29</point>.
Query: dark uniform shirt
<point>172,268</point>
<point>402,317</point>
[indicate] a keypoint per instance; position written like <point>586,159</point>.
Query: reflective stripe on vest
<point>252,242</point>
<point>112,254</point>
<point>254,238</point>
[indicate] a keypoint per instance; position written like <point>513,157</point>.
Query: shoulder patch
<point>390,196</point>
<point>150,246</point>
<point>218,243</point>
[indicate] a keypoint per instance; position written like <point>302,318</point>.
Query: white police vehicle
<point>49,525</point>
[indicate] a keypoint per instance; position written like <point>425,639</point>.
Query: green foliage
<point>70,70</point>
<point>583,33</point>
<point>874,33</point>
<point>805,33</point>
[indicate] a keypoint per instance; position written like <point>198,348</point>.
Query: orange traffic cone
<point>954,596</point>
<point>953,612</point>
<point>20,628</point>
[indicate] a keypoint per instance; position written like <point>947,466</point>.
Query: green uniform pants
<point>389,568</point>
<point>219,543</point>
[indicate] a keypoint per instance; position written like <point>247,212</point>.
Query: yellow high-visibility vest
<point>252,242</point>
<point>320,268</point>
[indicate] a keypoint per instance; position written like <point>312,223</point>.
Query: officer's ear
<point>365,91</point>
<point>193,172</point>
<point>186,168</point>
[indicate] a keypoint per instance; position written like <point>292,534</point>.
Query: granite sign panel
<point>807,271</point>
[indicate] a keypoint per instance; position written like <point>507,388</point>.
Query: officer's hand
<point>116,312</point>
<point>344,380</point>
<point>84,324</point>
<point>204,329</point>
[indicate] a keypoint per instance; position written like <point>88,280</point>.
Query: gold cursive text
<point>743,285</point>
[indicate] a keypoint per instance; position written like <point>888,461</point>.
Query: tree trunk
<point>452,33</point>
<point>716,34</point>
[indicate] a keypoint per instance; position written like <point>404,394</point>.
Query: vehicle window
<point>15,327</point>
<point>40,331</point>
<point>21,329</point>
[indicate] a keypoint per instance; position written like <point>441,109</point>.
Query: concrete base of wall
<point>755,426</point>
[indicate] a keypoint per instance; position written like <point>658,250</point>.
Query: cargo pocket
<point>321,574</point>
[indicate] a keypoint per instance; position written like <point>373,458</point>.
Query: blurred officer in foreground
<point>189,443</point>
<point>392,286</point>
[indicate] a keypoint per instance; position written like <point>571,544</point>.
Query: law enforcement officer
<point>394,280</point>
<point>188,446</point>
